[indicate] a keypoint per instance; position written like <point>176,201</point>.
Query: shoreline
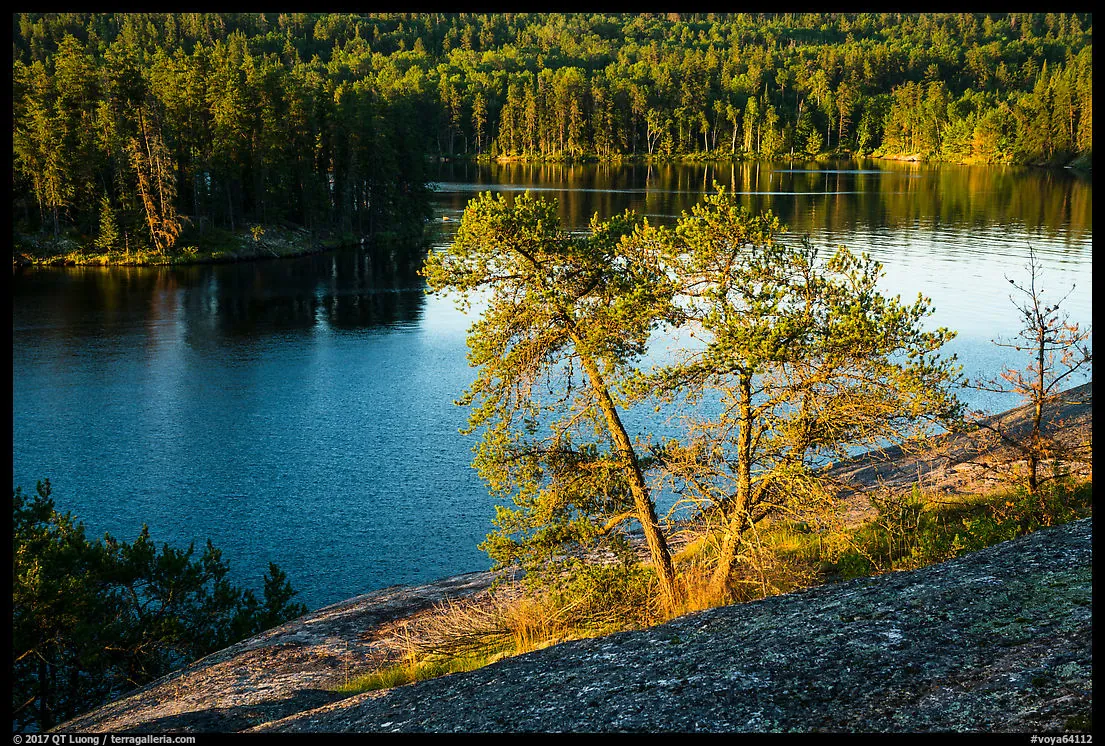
<point>276,243</point>
<point>279,242</point>
<point>1080,164</point>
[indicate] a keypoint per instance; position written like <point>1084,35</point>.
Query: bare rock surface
<point>977,460</point>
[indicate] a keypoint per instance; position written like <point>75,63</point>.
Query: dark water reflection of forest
<point>810,197</point>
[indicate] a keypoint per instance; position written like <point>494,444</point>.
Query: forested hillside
<point>138,126</point>
<point>132,130</point>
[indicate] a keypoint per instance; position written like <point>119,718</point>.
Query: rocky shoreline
<point>280,672</point>
<point>975,459</point>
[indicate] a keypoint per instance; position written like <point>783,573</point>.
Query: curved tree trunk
<point>646,513</point>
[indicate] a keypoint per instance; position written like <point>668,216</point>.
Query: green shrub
<point>604,598</point>
<point>911,532</point>
<point>411,671</point>
<point>851,564</point>
<point>93,619</point>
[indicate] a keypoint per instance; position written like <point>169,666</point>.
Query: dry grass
<point>504,621</point>
<point>465,634</point>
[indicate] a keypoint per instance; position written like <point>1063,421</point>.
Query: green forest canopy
<point>140,126</point>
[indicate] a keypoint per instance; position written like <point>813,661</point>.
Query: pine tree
<point>108,238</point>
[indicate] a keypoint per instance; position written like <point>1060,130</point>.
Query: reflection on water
<point>298,411</point>
<point>883,194</point>
<point>952,233</point>
<point>215,304</point>
<point>301,410</point>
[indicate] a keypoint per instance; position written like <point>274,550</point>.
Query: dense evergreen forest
<point>135,127</point>
<point>134,131</point>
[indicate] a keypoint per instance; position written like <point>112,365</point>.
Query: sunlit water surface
<point>301,411</point>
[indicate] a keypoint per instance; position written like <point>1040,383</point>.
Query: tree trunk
<point>196,199</point>
<point>45,716</point>
<point>230,205</point>
<point>730,543</point>
<point>1037,416</point>
<point>646,514</point>
<point>739,511</point>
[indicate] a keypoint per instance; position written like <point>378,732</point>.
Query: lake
<point>301,410</point>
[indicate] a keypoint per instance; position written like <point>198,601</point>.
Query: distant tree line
<point>133,127</point>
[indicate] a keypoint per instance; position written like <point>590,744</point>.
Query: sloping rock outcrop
<point>279,672</point>
<point>979,457</point>
<point>998,640</point>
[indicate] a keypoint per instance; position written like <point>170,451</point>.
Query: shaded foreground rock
<point>999,640</point>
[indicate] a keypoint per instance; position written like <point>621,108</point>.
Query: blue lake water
<point>301,411</point>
